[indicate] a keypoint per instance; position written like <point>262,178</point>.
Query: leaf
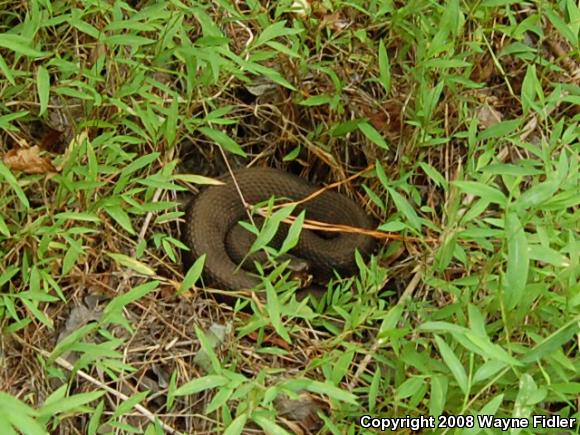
<point>316,100</point>
<point>58,404</point>
<point>485,191</point>
<point>14,413</point>
<point>223,140</point>
<point>119,302</point>
<point>270,228</point>
<point>201,384</point>
<point>7,175</point>
<point>384,68</point>
<point>132,263</point>
<point>369,131</point>
<point>293,236</point>
<point>192,274</point>
<point>5,69</point>
<point>28,160</point>
<point>561,26</point>
<point>499,130</point>
<point>20,45</point>
<point>518,262</point>
<point>275,30</point>
<point>198,179</point>
<point>405,208</point>
<point>438,395</point>
<point>321,388</point>
<point>43,87</point>
<point>409,387</point>
<point>6,119</point>
<point>128,39</point>
<point>538,194</point>
<point>552,343</point>
<point>121,217</point>
<point>453,364</point>
<point>237,425</point>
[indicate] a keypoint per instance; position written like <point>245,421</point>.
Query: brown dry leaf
<point>488,116</point>
<point>28,160</point>
<point>303,410</point>
<point>336,21</point>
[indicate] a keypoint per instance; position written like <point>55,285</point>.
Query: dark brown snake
<point>213,215</point>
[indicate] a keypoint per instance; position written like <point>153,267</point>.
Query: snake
<point>211,226</point>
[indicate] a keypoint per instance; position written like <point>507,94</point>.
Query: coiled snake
<point>213,214</point>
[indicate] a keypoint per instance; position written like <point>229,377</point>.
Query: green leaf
<point>20,45</point>
<point>518,262</point>
<point>405,208</point>
<point>192,275</point>
<point>119,302</point>
<point>384,68</point>
<point>43,87</point>
<point>409,387</point>
<point>132,263</point>
<point>552,343</point>
<point>293,236</point>
<point>5,69</point>
<point>223,140</point>
<point>453,364</point>
<point>562,27</point>
<point>489,193</point>
<point>316,100</point>
<point>201,384</point>
<point>57,403</point>
<point>438,395</point>
<point>14,413</point>
<point>129,39</point>
<point>237,425</point>
<point>324,388</point>
<point>275,30</point>
<point>11,180</point>
<point>500,130</point>
<point>369,131</point>
<point>121,217</point>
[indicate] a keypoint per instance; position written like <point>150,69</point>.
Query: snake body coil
<point>211,216</point>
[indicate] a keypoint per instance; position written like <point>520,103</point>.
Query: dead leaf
<point>28,160</point>
<point>303,410</point>
<point>488,116</point>
<point>335,21</point>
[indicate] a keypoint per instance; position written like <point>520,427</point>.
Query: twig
<point>68,366</point>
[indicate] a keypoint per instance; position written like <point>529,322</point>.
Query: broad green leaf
<point>223,140</point>
<point>453,364</point>
<point>409,387</point>
<point>121,217</point>
<point>405,208</point>
<point>237,425</point>
<point>275,30</point>
<point>553,342</point>
<point>201,384</point>
<point>16,414</point>
<point>192,275</point>
<point>293,236</point>
<point>20,45</point>
<point>316,100</point>
<point>384,68</point>
<point>43,88</point>
<point>11,180</point>
<point>369,131</point>
<point>487,192</point>
<point>119,302</point>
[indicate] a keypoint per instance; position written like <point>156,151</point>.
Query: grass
<point>465,113</point>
